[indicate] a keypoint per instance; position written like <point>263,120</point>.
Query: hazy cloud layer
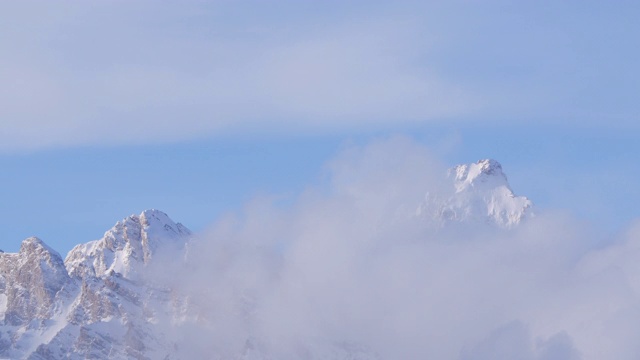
<point>351,266</point>
<point>113,72</point>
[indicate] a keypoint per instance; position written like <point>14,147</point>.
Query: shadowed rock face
<point>31,280</point>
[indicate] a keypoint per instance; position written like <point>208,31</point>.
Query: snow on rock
<point>31,279</point>
<point>90,305</point>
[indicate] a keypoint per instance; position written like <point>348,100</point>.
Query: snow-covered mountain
<point>98,303</point>
<point>94,304</point>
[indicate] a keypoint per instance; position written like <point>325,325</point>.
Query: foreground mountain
<point>102,303</point>
<point>99,304</point>
<point>94,304</point>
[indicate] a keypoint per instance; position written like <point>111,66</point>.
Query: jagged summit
<point>481,194</point>
<point>470,172</point>
<point>127,246</point>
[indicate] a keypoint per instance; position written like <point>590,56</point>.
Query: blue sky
<point>109,108</point>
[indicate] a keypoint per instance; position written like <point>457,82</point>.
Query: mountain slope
<point>127,247</point>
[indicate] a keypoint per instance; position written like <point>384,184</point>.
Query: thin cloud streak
<point>115,73</point>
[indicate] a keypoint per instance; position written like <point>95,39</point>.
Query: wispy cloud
<point>109,73</point>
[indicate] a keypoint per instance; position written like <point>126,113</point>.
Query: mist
<point>350,266</point>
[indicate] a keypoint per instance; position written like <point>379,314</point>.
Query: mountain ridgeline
<point>99,303</point>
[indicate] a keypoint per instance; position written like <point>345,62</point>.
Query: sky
<point>195,107</point>
<point>292,135</point>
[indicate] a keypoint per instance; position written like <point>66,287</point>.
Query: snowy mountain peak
<point>481,195</point>
<point>129,245</point>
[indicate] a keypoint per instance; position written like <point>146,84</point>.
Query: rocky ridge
<point>93,304</point>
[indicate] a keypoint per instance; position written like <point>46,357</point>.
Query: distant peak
<point>482,193</point>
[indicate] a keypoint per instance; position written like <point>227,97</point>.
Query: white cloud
<point>349,265</point>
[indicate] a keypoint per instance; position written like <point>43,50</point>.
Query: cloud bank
<point>350,267</point>
<point>115,73</point>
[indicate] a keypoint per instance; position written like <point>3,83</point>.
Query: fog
<point>348,264</point>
